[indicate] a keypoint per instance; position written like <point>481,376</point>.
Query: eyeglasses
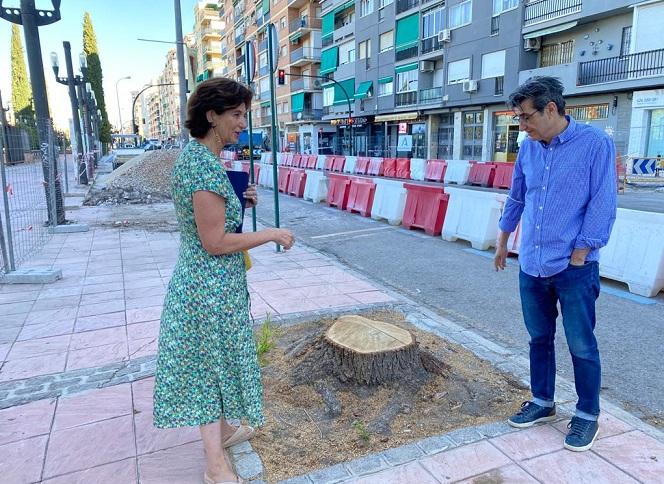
<point>523,117</point>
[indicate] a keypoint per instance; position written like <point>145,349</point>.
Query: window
<point>473,132</point>
<point>407,81</point>
<point>386,41</point>
<point>385,87</point>
<point>285,108</point>
<point>262,59</point>
<point>555,54</point>
<point>500,6</point>
<point>626,40</point>
<point>446,136</point>
<point>364,49</point>
<point>458,71</point>
<point>385,3</point>
<point>592,112</point>
<point>433,22</point>
<point>328,95</point>
<point>283,52</point>
<point>461,14</point>
<point>366,7</point>
<point>347,53</point>
<point>493,64</point>
<point>282,23</point>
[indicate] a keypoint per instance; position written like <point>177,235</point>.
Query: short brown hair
<point>219,94</point>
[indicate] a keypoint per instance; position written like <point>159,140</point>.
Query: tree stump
<point>370,352</point>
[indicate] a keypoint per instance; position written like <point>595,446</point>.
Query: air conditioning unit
<point>470,86</point>
<point>446,98</point>
<point>318,84</point>
<point>426,66</point>
<point>445,35</point>
<point>532,44</point>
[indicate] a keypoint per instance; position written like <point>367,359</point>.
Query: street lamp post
<point>117,97</point>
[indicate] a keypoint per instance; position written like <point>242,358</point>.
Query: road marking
<point>487,255</point>
<point>350,232</point>
<point>627,295</point>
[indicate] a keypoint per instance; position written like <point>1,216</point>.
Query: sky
<point>118,24</point>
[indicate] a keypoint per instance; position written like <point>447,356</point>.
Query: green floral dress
<point>207,364</point>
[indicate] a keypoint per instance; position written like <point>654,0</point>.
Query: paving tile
<point>293,306</point>
<point>105,279</point>
<point>452,465</point>
<point>100,321</point>
<point>320,290</point>
<point>95,288</point>
<point>636,453</point>
<point>512,474</point>
<point>29,367</point>
<point>16,307</point>
<point>93,406</point>
<point>261,276</point>
<point>8,335</point>
<point>98,337</point>
<point>136,285</point>
<point>142,391</point>
<point>412,472</point>
<point>22,296</point>
<point>55,303</point>
<point>51,315</point>
<point>45,330</point>
<point>63,292</point>
<point>145,314</point>
<point>4,349</point>
<point>144,302</point>
<point>99,297</point>
<point>97,356</point>
<point>9,288</point>
<point>25,421</point>
<point>576,467</point>
<point>123,472</point>
<point>101,308</point>
<point>334,301</point>
<point>608,426</point>
<point>148,329</point>
<point>145,292</point>
<point>22,461</point>
<point>371,297</point>
<point>11,320</point>
<point>39,347</point>
<point>150,439</point>
<point>178,465</point>
<point>529,443</point>
<point>89,445</point>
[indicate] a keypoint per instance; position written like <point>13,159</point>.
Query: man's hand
<point>579,257</point>
<point>251,196</point>
<point>500,258</point>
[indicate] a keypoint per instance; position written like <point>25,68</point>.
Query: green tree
<point>21,89</point>
<point>95,75</point>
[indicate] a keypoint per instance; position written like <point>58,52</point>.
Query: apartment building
<point>169,94</point>
<point>207,34</point>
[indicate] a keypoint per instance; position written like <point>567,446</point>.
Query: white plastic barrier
<point>457,171</point>
<point>265,177</point>
<point>266,157</point>
<point>473,215</point>
<point>389,201</point>
<point>236,165</point>
<point>320,163</point>
<point>417,168</point>
<point>349,166</point>
<point>514,240</point>
<point>315,188</point>
<point>635,252</point>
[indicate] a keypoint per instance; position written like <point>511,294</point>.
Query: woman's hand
<point>283,237</point>
<point>251,196</point>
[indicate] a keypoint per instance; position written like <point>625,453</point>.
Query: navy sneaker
<point>530,414</point>
<point>581,434</point>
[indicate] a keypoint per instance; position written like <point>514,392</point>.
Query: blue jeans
<point>576,288</point>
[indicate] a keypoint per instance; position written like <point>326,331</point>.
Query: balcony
<point>499,86</point>
<point>544,10</point>
<point>403,5</point>
<point>239,39</point>
<point>239,60</point>
<point>406,53</point>
<point>304,84</point>
<point>431,44</point>
<point>327,41</point>
<point>307,115</point>
<point>262,45</point>
<point>304,23</point>
<point>626,67</point>
<point>304,55</point>
<point>263,71</point>
<point>495,25</point>
<point>265,120</point>
<point>405,98</point>
<point>433,95</point>
<point>211,33</point>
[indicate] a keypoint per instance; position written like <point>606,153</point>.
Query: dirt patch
<point>314,421</point>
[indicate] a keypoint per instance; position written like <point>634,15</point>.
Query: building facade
<point>205,41</point>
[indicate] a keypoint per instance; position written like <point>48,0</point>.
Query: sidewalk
<point>78,358</point>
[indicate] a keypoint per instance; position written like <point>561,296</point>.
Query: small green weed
<point>362,432</point>
<point>265,340</point>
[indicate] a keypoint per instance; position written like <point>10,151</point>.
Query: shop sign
<point>403,128</point>
<point>405,143</point>
<point>648,99</point>
<point>345,122</point>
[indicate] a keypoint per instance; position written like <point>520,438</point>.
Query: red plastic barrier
<point>288,159</point>
<point>361,196</point>
<point>503,177</point>
<point>376,167</point>
<point>296,160</point>
<point>245,166</point>
<point>435,170</point>
<point>296,183</point>
<point>403,168</point>
<point>425,208</point>
<point>338,190</point>
<point>338,163</point>
<point>482,174</point>
<point>329,161</point>
<point>390,167</point>
<point>247,169</point>
<point>309,162</point>
<point>284,176</point>
<point>362,165</point>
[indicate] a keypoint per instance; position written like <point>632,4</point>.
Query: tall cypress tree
<point>95,75</point>
<point>21,89</point>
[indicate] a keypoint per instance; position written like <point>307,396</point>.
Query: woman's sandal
<point>241,434</point>
<point>208,480</point>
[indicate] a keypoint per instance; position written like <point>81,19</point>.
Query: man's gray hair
<point>541,90</point>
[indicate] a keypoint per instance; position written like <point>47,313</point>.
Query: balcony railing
<point>211,32</point>
<point>239,60</point>
<point>405,98</point>
<point>403,5</point>
<point>499,86</point>
<point>298,84</point>
<point>631,66</point>
<point>263,71</point>
<point>543,10</point>
<point>432,95</point>
<point>327,41</point>
<point>304,23</point>
<point>265,120</point>
<point>307,114</point>
<point>431,44</point>
<point>305,53</point>
<point>239,39</point>
<point>262,45</point>
<point>406,54</point>
<point>495,25</point>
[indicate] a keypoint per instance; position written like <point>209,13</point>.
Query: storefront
<point>352,135</point>
<point>505,135</point>
<point>399,135</point>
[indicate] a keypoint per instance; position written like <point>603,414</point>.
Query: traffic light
<point>281,77</point>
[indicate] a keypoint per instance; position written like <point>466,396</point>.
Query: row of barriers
<point>634,254</point>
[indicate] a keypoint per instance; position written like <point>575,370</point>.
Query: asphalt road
<point>460,284</point>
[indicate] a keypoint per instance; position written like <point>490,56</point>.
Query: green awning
<point>297,102</point>
<point>363,90</point>
<point>295,36</point>
<point>266,6</point>
<point>266,104</point>
<point>329,60</point>
<point>408,31</point>
<point>199,78</point>
<point>406,67</point>
<point>340,95</point>
<point>348,4</point>
<point>328,24</point>
<point>385,80</point>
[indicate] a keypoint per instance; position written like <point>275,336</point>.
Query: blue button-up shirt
<point>566,192</point>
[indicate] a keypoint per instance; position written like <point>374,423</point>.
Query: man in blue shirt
<point>564,193</point>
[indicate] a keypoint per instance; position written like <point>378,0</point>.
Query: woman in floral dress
<point>207,368</point>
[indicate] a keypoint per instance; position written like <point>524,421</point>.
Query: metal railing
<point>239,39</point>
<point>499,86</point>
<point>431,95</point>
<point>263,71</point>
<point>265,120</point>
<point>405,98</point>
<point>555,54</point>
<point>631,66</point>
<point>406,53</point>
<point>431,44</point>
<point>239,60</point>
<point>262,45</point>
<point>543,10</point>
<point>307,114</point>
<point>327,41</point>
<point>403,5</point>
<point>299,84</point>
<point>495,25</point>
<point>306,53</point>
<point>304,23</point>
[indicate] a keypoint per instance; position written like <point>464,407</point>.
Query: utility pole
<point>184,132</point>
<point>250,72</point>
<point>31,19</point>
<point>272,45</point>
